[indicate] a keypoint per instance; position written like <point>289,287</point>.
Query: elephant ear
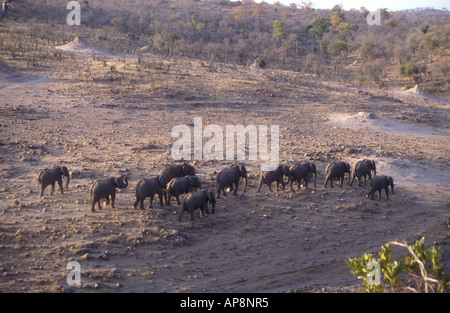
<point>161,181</point>
<point>65,171</point>
<point>242,170</point>
<point>191,181</point>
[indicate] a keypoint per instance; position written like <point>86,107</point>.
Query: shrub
<point>421,263</point>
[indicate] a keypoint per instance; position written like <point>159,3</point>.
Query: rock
<point>86,256</point>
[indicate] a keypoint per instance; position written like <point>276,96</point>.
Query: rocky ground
<point>105,116</point>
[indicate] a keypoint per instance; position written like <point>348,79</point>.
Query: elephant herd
<point>175,180</point>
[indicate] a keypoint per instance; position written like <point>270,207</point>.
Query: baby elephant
<point>268,177</point>
<point>102,189</point>
<point>148,187</point>
<point>337,170</point>
<point>198,200</point>
<point>362,169</point>
<point>378,183</point>
<point>179,185</point>
<point>51,176</point>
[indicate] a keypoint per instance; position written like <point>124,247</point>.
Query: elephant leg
<point>93,205</point>
<point>306,182</point>
<point>192,214</point>
<point>113,199</point>
<point>161,199</point>
<point>379,194</point>
<point>42,191</point>
<point>341,180</point>
<point>387,192</point>
<point>218,191</point>
<point>98,203</point>
<point>236,189</point>
<point>53,189</point>
<point>291,182</point>
<point>270,188</point>
<point>150,204</point>
<point>331,182</point>
<point>136,202</point>
<point>178,199</point>
<point>259,185</point>
<point>60,185</point>
<point>328,179</point>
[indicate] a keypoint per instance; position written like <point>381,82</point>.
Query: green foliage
<point>319,26</point>
<point>279,30</point>
<point>408,69</point>
<point>197,26</point>
<point>419,262</point>
<point>338,47</point>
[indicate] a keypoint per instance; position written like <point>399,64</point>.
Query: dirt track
<point>286,241</point>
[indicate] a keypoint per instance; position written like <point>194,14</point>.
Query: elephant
<point>102,189</point>
<point>337,170</point>
<point>198,200</point>
<point>179,185</point>
<point>378,183</point>
<point>268,177</point>
<point>229,176</point>
<point>362,169</point>
<point>51,176</point>
<point>297,172</point>
<point>172,171</point>
<point>148,187</point>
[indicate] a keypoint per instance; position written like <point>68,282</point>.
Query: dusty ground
<point>103,117</point>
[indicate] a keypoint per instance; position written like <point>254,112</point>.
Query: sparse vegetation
<point>422,264</point>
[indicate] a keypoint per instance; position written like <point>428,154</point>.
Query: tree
<point>413,44</point>
<point>431,42</point>
<point>279,30</point>
<point>163,38</point>
<point>318,26</point>
<point>409,69</point>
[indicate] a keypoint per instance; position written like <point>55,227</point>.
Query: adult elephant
<point>51,176</point>
<point>103,189</point>
<point>229,176</point>
<point>362,169</point>
<point>171,171</point>
<point>303,171</point>
<point>337,170</point>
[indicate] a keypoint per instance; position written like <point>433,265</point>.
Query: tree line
<point>298,37</point>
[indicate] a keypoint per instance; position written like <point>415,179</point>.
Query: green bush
<point>421,263</point>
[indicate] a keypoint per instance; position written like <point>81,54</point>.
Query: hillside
<point>83,97</point>
<point>409,47</point>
